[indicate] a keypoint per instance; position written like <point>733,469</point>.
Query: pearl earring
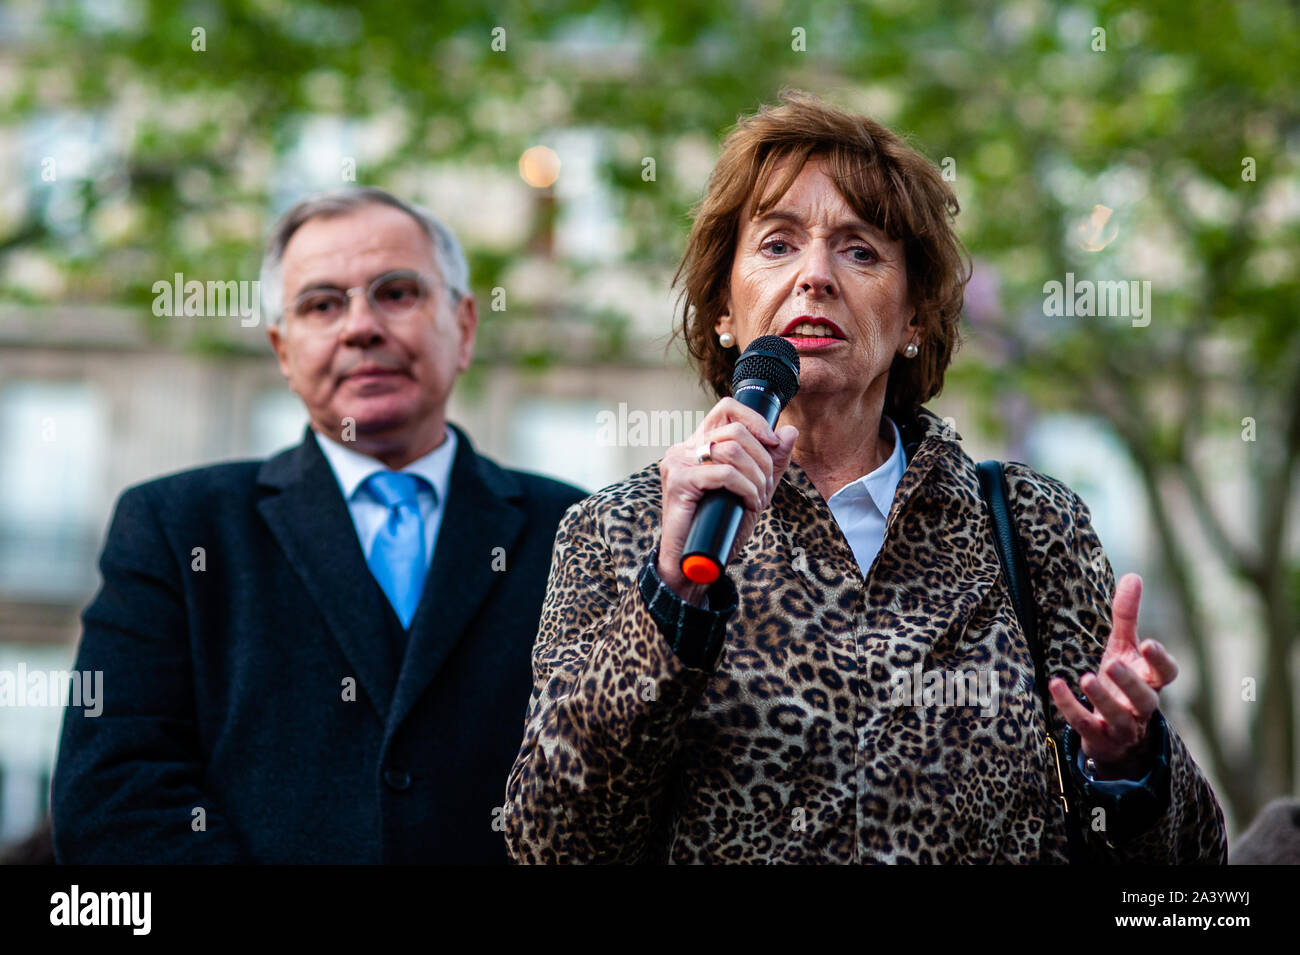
<point>726,339</point>
<point>910,350</point>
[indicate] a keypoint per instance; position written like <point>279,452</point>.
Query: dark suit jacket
<point>226,673</point>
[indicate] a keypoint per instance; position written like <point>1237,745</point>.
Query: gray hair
<point>447,252</point>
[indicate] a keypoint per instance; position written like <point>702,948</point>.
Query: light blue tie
<point>397,554</point>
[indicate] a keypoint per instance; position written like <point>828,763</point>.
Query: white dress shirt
<point>351,468</point>
<point>862,507</point>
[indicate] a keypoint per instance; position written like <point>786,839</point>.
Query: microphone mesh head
<point>773,359</point>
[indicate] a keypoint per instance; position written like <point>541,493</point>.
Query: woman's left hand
<point>1124,693</point>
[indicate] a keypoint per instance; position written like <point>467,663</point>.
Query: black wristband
<point>696,635</point>
<point>1132,806</point>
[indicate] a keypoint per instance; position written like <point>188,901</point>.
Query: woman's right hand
<point>749,459</point>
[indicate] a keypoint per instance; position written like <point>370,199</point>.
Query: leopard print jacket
<point>798,747</point>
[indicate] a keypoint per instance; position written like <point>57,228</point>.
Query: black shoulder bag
<point>993,485</point>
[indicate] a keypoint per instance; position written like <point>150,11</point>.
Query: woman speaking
<point>857,685</point>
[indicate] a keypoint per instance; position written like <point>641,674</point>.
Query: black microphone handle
<point>718,515</point>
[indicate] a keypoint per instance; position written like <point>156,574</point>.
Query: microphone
<point>766,378</point>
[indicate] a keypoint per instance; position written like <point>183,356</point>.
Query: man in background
<point>325,656</point>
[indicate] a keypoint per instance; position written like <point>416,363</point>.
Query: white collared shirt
<point>351,468</point>
<point>862,507</point>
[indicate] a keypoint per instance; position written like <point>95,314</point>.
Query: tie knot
<point>394,488</point>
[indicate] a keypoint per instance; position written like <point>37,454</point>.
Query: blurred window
<point>558,438</point>
<point>56,437</point>
<point>277,420</point>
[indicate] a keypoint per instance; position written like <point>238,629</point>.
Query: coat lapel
<point>482,513</point>
<point>938,489</point>
<point>310,520</point>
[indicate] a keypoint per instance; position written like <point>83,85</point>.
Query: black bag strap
<point>993,486</point>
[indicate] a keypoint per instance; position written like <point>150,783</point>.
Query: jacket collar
<point>916,428</point>
<point>310,520</point>
<point>483,517</point>
<point>927,439</point>
<point>937,496</point>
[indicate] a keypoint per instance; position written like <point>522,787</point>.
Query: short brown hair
<point>883,179</point>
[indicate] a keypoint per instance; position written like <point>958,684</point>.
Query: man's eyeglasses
<point>392,294</point>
